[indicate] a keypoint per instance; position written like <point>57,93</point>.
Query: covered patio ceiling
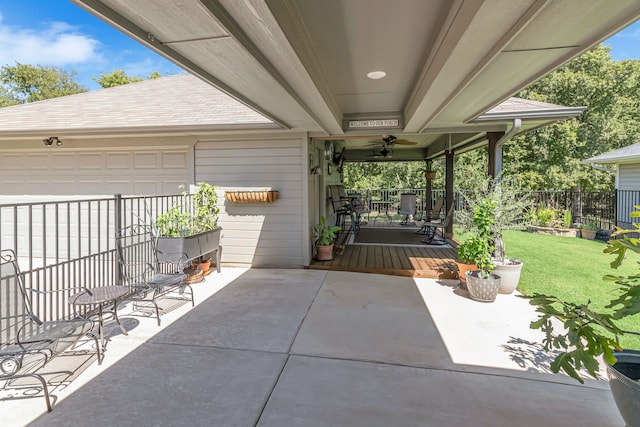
<point>304,63</point>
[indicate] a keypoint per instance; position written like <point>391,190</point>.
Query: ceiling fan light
<point>376,75</point>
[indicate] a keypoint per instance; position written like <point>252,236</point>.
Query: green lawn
<point>570,268</point>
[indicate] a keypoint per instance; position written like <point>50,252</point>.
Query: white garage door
<point>129,171</point>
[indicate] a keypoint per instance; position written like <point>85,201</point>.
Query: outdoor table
<point>102,296</point>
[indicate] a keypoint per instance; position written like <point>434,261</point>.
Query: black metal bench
<point>27,343</point>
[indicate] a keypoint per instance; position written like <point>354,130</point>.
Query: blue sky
<point>58,33</point>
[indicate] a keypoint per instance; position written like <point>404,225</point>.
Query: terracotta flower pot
<point>462,269</point>
<point>204,265</point>
<point>324,253</point>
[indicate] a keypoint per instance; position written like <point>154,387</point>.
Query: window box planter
<point>184,248</point>
<point>267,196</point>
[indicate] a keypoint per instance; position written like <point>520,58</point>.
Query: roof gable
<point>180,101</point>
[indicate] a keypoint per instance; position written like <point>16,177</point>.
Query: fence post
<point>117,221</point>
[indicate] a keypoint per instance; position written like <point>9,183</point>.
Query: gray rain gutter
<point>517,125</point>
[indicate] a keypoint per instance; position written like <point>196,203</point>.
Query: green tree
<point>120,77</point>
<point>29,83</point>
<point>549,158</point>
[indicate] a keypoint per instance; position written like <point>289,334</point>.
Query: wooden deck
<point>412,261</point>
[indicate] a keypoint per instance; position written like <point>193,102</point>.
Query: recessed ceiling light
<point>375,75</point>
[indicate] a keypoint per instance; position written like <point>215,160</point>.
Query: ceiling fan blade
<point>403,142</point>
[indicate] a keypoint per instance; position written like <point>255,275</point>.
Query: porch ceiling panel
<point>167,22</point>
<point>303,63</point>
<point>484,86</point>
<point>479,35</point>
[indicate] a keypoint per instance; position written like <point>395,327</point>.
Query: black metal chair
<point>141,271</point>
<point>431,215</point>
<point>27,343</point>
<point>431,230</point>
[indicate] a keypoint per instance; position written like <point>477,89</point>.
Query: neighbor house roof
<point>168,104</point>
<point>628,154</point>
<point>525,108</point>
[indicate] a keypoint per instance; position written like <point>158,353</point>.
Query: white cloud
<point>55,44</point>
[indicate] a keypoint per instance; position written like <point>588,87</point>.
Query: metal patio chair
<point>430,215</point>
<point>431,230</point>
<point>141,271</point>
<point>28,343</point>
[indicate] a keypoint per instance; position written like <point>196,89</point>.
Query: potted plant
<point>589,333</point>
<point>482,284</point>
<point>188,234</point>
<point>468,252</point>
<point>510,210</point>
<point>588,231</point>
<point>325,235</point>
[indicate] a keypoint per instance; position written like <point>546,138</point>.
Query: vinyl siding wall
<point>268,235</point>
<point>628,178</point>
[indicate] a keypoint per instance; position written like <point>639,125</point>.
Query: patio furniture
<point>430,215</point>
<point>101,296</point>
<point>28,343</point>
<point>434,213</point>
<point>431,230</point>
<point>407,207</point>
<point>340,203</point>
<point>147,278</point>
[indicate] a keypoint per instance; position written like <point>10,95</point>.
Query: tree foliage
<point>549,158</point>
<point>120,77</point>
<point>29,83</point>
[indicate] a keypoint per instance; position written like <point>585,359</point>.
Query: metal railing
<point>600,208</point>
<point>68,245</point>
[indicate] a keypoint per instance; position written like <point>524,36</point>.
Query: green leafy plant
<point>197,218</point>
<point>470,250</point>
<point>589,226</point>
<point>510,209</point>
<point>567,218</point>
<point>546,216</point>
<point>589,333</point>
<point>484,219</point>
<point>325,234</point>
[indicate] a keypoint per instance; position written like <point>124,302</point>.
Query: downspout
<point>517,125</point>
<point>601,168</point>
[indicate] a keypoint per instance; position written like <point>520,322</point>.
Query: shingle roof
<point>181,101</point>
<point>519,107</point>
<point>621,155</point>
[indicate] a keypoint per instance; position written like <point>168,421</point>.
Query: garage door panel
<point>175,160</point>
<point>118,161</point>
<point>125,170</point>
<point>91,161</point>
<point>146,161</point>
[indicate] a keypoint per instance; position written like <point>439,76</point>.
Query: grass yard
<point>570,268</point>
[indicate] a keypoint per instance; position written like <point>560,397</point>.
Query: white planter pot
<point>483,289</point>
<point>509,272</point>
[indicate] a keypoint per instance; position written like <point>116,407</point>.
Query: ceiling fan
<point>385,152</point>
<point>388,140</point>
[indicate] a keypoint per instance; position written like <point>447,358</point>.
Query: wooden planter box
<point>180,249</point>
<point>268,196</point>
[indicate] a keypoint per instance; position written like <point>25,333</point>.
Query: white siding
<point>628,182</point>
<point>273,234</point>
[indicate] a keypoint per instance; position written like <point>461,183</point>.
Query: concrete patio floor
<point>316,348</point>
